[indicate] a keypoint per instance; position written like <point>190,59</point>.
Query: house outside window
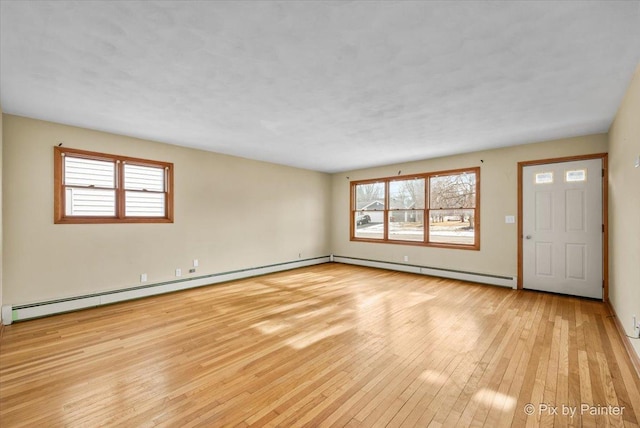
<point>439,209</point>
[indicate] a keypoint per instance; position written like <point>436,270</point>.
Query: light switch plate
<point>509,219</point>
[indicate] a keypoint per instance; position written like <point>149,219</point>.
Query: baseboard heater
<point>12,313</point>
<point>503,281</point>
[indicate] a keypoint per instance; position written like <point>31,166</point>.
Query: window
<point>577,175</point>
<point>101,188</point>
<point>452,213</point>
<point>406,209</point>
<point>435,209</point>
<point>370,210</point>
<point>544,178</point>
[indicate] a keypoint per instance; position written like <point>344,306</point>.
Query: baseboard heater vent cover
<point>36,310</point>
<point>502,281</point>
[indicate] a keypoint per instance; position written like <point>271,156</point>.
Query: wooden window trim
<point>120,217</point>
<point>386,180</point>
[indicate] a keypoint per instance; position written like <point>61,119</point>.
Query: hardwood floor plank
<point>327,345</point>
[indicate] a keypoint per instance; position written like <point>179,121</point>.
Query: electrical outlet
<point>143,277</point>
<point>299,255</point>
<point>195,263</point>
<point>406,258</point>
<point>178,272</point>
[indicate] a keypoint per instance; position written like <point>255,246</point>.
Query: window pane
<point>577,175</point>
<point>144,204</point>
<point>143,178</point>
<point>88,172</point>
<point>406,225</point>
<point>369,224</point>
<point>453,191</point>
<point>544,177</point>
<point>370,196</point>
<point>452,226</point>
<point>90,202</point>
<point>406,194</point>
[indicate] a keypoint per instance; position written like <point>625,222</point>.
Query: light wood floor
<point>329,345</point>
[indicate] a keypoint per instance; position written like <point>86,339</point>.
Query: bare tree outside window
<point>438,209</point>
<point>367,193</point>
<point>406,204</point>
<point>452,199</point>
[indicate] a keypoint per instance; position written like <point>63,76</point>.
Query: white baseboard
<point>12,313</point>
<point>502,281</point>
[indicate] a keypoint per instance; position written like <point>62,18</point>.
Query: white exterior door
<point>562,228</point>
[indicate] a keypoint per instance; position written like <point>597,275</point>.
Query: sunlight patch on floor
<point>301,341</point>
<point>271,327</point>
<point>365,302</point>
<point>313,313</point>
<point>413,298</point>
<point>495,399</point>
<point>433,377</point>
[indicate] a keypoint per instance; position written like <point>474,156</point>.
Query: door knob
<point>528,236</point>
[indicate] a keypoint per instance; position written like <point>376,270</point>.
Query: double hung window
<point>101,188</point>
<point>435,209</point>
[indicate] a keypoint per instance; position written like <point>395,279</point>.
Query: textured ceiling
<point>328,86</point>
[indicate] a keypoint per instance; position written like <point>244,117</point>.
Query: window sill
<point>419,244</point>
<point>89,220</point>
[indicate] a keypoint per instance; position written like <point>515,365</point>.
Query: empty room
<point>319,213</point>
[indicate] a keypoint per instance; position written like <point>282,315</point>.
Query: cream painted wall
<point>624,209</point>
<point>498,178</point>
<point>230,213</point>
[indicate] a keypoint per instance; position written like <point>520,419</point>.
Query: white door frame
<point>605,219</point>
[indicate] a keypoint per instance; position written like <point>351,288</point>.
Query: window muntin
<point>101,188</point>
<point>448,200</point>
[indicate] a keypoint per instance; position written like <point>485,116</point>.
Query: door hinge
<point>603,172</point>
<point>603,283</point>
<point>603,228</point>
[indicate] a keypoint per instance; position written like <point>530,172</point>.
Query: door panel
<point>544,210</point>
<point>574,206</point>
<point>576,263</point>
<point>544,259</point>
<point>562,227</point>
